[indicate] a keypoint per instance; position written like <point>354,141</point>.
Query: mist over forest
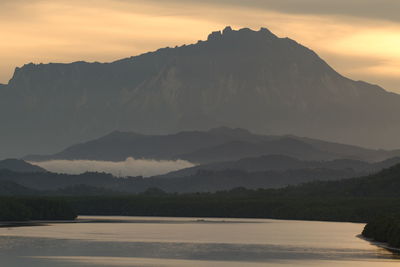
<point>129,167</point>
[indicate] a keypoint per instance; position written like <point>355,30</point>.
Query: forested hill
<point>202,181</point>
<point>385,184</point>
<point>285,163</point>
<point>357,200</point>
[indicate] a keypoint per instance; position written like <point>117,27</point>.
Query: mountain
<point>215,145</point>
<point>18,165</point>
<point>247,79</point>
<point>285,163</point>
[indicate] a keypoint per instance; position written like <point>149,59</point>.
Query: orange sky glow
<point>362,46</point>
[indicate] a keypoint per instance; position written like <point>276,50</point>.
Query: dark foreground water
<point>138,241</point>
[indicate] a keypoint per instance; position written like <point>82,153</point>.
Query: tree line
<point>384,229</point>
<point>35,208</point>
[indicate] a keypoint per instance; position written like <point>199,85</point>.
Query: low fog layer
<point>129,167</point>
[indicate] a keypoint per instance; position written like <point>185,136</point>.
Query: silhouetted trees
<point>34,208</point>
<point>384,229</point>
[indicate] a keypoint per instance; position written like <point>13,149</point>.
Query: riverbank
<point>380,244</point>
<point>385,230</point>
<point>20,224</point>
<point>13,224</point>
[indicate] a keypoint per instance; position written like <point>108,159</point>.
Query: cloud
<point>129,167</point>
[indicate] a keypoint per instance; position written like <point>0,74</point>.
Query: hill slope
<point>202,181</point>
<point>17,165</point>
<point>285,163</point>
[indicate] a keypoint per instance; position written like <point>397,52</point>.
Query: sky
<point>359,38</point>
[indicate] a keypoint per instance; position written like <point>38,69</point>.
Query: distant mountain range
<point>247,79</point>
<point>215,145</point>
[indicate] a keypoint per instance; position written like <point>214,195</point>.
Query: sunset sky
<point>360,38</point>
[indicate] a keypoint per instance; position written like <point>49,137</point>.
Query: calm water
<point>139,241</point>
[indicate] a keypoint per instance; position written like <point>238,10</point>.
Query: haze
<point>129,167</point>
<point>360,38</point>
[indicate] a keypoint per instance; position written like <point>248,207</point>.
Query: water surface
<point>145,241</point>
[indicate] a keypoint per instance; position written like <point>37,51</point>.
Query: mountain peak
<point>265,31</point>
<point>227,30</point>
<point>245,32</point>
<point>214,35</point>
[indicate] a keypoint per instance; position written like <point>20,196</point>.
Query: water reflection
<point>119,241</point>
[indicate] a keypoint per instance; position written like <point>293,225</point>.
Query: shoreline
<point>379,244</point>
<point>12,224</point>
<point>20,224</point>
<point>92,218</point>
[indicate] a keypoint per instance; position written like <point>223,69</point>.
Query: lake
<point>152,241</point>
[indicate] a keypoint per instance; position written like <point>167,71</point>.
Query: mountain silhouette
<point>236,78</point>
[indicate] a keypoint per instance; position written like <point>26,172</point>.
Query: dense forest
<point>384,229</point>
<point>236,204</point>
<point>35,208</point>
